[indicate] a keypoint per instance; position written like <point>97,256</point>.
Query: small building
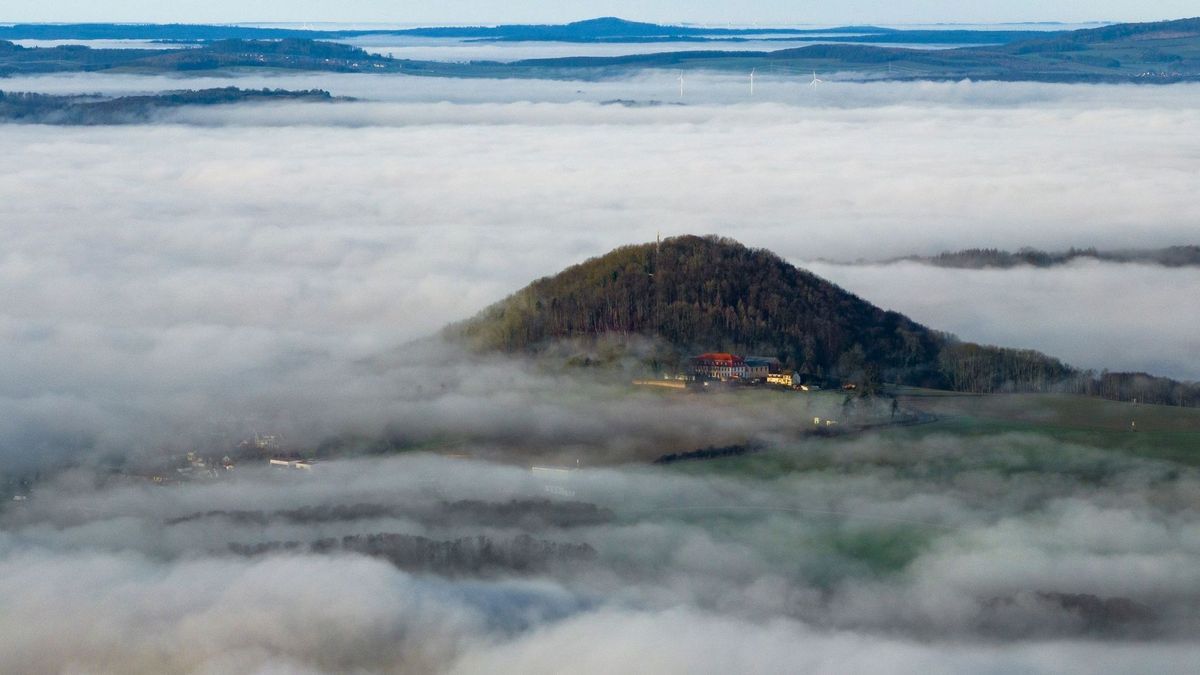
<point>783,379</point>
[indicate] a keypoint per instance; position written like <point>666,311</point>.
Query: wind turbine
<point>816,80</point>
<point>681,84</point>
<point>752,81</point>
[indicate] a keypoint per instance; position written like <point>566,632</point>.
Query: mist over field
<point>901,557</point>
<point>285,268</point>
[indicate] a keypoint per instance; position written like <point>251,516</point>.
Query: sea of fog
<point>419,206</point>
<point>97,44</point>
<point>220,271</point>
<point>1023,555</point>
<point>247,260</point>
<point>785,87</point>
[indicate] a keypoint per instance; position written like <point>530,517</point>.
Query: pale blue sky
<point>490,11</point>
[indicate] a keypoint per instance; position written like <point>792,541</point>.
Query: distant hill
<point>602,29</point>
<point>701,294</point>
<point>1159,52</point>
<point>286,54</point>
<point>1164,51</point>
<point>982,258</point>
<point>95,110</point>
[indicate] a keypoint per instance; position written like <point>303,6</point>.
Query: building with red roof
<point>718,366</point>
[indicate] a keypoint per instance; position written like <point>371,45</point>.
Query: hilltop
<point>707,293</point>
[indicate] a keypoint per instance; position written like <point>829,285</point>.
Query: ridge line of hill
<point>995,258</point>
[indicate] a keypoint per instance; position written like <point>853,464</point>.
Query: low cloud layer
<point>1095,315</point>
<point>906,556</point>
<point>228,264</point>
<point>183,285</point>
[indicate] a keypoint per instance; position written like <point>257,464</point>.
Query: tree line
<point>478,555</point>
<point>92,110</point>
<point>980,258</point>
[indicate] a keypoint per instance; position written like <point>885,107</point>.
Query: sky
<point>698,11</point>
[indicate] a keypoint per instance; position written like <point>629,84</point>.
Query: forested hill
<point>33,108</point>
<point>228,55</point>
<point>706,293</point>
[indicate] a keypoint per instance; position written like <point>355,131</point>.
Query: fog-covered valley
<point>284,269</point>
<point>182,263</point>
<point>905,557</point>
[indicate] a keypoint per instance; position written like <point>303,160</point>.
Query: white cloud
<point>786,573</point>
<point>158,269</point>
<point>1091,314</point>
<point>257,267</point>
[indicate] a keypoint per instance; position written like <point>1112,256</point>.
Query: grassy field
<point>1153,431</point>
<point>1014,433</point>
<point>982,453</point>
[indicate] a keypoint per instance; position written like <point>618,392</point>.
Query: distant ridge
<point>1163,51</point>
<point>601,27</point>
<point>32,108</point>
<point>981,258</point>
<point>1159,52</point>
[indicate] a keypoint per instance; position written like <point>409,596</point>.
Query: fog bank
<point>904,557</point>
<point>1096,315</point>
<point>229,264</point>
